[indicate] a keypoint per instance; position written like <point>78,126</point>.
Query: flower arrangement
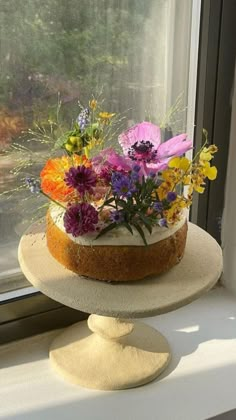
<point>146,184</point>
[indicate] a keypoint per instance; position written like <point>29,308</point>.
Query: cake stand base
<point>109,353</point>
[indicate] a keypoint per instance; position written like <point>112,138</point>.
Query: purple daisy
<point>117,216</point>
<point>81,178</point>
<point>158,206</point>
<point>123,185</point>
<point>80,219</point>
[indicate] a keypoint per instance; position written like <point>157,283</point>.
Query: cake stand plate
<point>113,353</point>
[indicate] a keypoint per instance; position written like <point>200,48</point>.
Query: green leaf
<point>106,229</point>
<point>127,227</point>
<point>147,223</point>
<point>121,203</point>
<point>109,201</point>
<point>141,233</point>
<point>60,141</point>
<point>145,219</point>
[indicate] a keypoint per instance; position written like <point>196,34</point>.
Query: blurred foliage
<point>69,46</point>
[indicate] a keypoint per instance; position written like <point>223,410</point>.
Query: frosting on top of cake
<point>116,237</point>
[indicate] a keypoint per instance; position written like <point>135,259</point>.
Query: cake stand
<point>110,351</point>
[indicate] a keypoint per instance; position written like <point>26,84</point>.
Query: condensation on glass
<point>135,53</point>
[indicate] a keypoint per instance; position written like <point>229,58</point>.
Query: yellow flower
<point>106,116</point>
<point>180,162</point>
<point>171,176</point>
<point>163,190</point>
<point>173,214</point>
<point>187,180</point>
<point>210,171</point>
<point>93,104</point>
<point>199,188</point>
<point>208,152</point>
<point>197,180</point>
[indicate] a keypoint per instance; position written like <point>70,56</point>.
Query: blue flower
<point>171,196</point>
<point>136,168</point>
<point>33,184</point>
<point>83,119</point>
<point>162,222</point>
<point>117,216</point>
<point>158,206</point>
<point>152,174</point>
<point>123,185</point>
<point>134,177</point>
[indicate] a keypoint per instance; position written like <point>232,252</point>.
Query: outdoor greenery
<point>75,47</point>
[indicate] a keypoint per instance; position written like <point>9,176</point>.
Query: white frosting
<point>116,237</point>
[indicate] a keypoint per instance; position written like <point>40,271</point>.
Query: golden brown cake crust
<point>115,263</point>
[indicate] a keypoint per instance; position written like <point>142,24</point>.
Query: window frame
<point>217,47</point>
<point>35,313</point>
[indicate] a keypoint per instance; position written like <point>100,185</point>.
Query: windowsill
<point>199,383</point>
<point>12,280</point>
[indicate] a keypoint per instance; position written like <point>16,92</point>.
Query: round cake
<point>118,255</point>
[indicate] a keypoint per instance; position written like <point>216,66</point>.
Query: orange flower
<point>53,175</point>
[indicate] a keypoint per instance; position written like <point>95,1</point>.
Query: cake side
<point>115,263</point>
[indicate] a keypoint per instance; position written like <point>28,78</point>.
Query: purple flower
<point>134,176</point>
<point>80,219</point>
<point>117,216</point>
<point>162,222</point>
<point>136,168</point>
<point>152,174</point>
<point>81,178</point>
<point>158,206</point>
<point>83,119</point>
<point>142,143</point>
<point>122,185</point>
<point>33,184</point>
<point>171,196</point>
<point>105,174</point>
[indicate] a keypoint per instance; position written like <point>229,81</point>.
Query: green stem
<point>51,199</point>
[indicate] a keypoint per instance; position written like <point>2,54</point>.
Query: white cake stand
<point>109,352</point>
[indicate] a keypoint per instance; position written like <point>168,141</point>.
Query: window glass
<point>134,53</point>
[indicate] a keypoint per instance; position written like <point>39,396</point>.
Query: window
<point>144,58</point>
<point>137,53</point>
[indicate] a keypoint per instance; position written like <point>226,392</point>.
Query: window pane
<point>136,52</point>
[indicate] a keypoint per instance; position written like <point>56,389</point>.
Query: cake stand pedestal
<point>110,351</point>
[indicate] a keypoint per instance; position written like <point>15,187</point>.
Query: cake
<point>117,212</point>
<point>118,255</point>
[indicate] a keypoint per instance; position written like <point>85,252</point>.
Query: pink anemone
<point>142,144</point>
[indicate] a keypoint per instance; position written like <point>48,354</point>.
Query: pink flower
<point>142,144</point>
<point>108,160</point>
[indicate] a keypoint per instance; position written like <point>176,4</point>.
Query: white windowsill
<point>199,383</point>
